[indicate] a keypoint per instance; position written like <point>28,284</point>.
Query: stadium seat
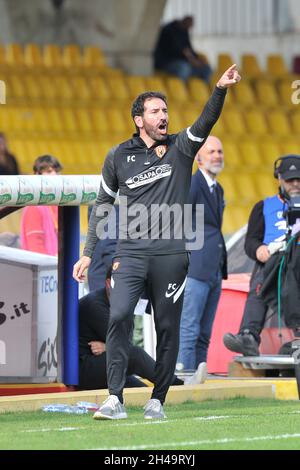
<point>291,145</point>
<point>250,156</point>
<point>81,90</point>
<point>295,121</point>
<point>224,61</point>
<point>234,122</point>
<point>245,183</point>
<point>136,85</point>
<point>118,89</point>
<point>285,92</point>
<point>52,57</point>
<point>244,95</point>
<point>176,123</point>
<point>177,90</point>
<point>92,57</point>
<point>276,66</point>
<point>99,89</point>
<point>198,90</point>
<point>267,94</point>
<point>232,158</point>
<point>71,56</point>
<point>228,183</point>
<point>270,151</point>
<point>33,57</point>
<point>279,124</point>
<point>266,185</point>
<point>250,66</point>
<point>14,55</point>
<point>256,123</point>
<point>156,83</point>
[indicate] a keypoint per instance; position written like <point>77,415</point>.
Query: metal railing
<point>232,17</point>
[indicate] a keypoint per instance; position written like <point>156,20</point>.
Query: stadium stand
<point>68,101</point>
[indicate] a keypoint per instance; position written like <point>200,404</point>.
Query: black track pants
<point>165,279</point>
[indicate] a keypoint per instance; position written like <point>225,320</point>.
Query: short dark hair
<point>44,162</point>
<point>138,108</point>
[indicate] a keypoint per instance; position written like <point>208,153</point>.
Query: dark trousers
<point>165,279</point>
<point>93,373</point>
<point>255,309</point>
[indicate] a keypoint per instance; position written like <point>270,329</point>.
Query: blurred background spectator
<point>8,162</point>
<point>174,53</point>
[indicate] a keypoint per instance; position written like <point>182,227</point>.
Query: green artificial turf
<point>230,424</point>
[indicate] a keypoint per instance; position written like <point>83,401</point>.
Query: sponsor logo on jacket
<point>149,176</point>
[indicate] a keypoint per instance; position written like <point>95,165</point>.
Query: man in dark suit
<point>208,265</point>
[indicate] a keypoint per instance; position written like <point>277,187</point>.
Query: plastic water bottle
<point>87,405</point>
<point>61,408</point>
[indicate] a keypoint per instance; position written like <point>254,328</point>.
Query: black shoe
<point>243,343</point>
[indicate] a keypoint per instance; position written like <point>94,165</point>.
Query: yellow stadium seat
<point>175,120</point>
<point>118,124</point>
<point>224,62</point>
<point>250,154</point>
<point>63,88</point>
<point>80,89</point>
<point>267,94</point>
<point>71,55</point>
<point>156,83</point>
<point>52,57</point>
<point>189,115</point>
<point>84,120</point>
<point>14,55</point>
<point>266,185</point>
<point>250,66</point>
<point>219,128</point>
<point>136,85</point>
<point>93,57</point>
<point>256,123</point>
<point>276,66</point>
<point>245,183</point>
<point>118,89</point>
<point>270,151</point>
<point>228,183</point>
<point>234,122</point>
<point>239,216</point>
<point>177,91</point>
<point>232,157</point>
<point>55,120</point>
<point>33,57</point>
<point>32,87</point>
<point>99,89</point>
<point>11,223</point>
<point>295,121</point>
<point>69,121</point>
<point>48,88</point>
<point>83,219</point>
<point>198,90</point>
<point>244,95</point>
<point>100,122</point>
<point>285,92</point>
<point>279,124</point>
<point>291,145</point>
<point>16,88</point>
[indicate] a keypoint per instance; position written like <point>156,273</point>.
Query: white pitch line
<point>225,440</point>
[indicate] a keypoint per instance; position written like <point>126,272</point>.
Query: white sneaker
<point>199,376</point>
<point>111,408</point>
<point>154,409</point>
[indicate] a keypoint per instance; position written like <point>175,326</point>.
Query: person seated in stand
<point>39,224</point>
<point>8,162</point>
<point>93,323</point>
<point>174,53</point>
<point>265,236</point>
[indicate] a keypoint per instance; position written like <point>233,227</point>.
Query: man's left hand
<point>229,78</point>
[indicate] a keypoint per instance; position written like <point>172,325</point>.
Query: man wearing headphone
<point>266,234</point>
